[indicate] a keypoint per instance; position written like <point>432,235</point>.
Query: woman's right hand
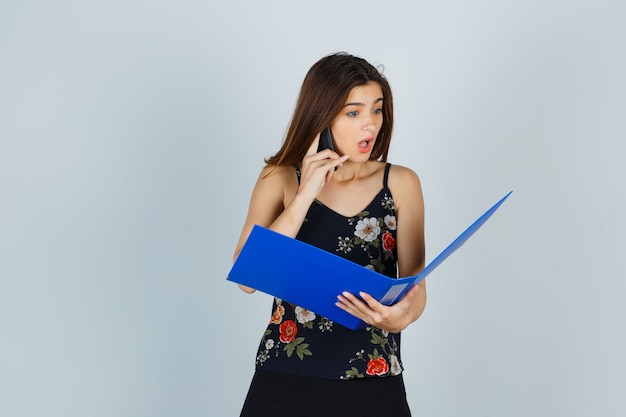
<point>268,207</point>
<point>317,169</point>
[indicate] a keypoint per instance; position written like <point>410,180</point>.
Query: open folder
<point>312,278</point>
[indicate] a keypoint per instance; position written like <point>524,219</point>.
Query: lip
<point>365,145</point>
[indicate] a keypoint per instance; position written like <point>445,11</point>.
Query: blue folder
<point>312,278</point>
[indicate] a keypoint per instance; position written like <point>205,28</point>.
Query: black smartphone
<point>326,140</point>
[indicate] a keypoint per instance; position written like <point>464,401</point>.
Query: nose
<point>369,125</point>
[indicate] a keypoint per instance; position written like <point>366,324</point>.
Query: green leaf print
<point>353,373</point>
<point>299,347</point>
<point>374,355</point>
<point>378,340</point>
<point>302,350</point>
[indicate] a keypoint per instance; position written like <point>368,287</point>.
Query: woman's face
<point>356,126</point>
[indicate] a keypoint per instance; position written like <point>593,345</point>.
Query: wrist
<point>302,199</point>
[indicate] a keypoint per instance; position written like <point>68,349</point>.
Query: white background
<point>131,134</point>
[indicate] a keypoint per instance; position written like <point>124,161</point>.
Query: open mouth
<point>365,145</point>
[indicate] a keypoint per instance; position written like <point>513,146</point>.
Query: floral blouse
<point>298,341</point>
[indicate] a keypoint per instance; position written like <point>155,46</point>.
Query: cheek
<point>342,127</point>
<point>377,129</point>
<point>341,133</point>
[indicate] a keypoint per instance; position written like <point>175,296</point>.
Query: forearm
<point>418,305</point>
<point>291,218</point>
<point>288,223</point>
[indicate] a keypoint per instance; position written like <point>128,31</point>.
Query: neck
<point>350,171</point>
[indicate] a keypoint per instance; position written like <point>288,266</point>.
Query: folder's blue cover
<point>312,278</point>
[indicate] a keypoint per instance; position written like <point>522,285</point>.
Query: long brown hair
<point>324,91</point>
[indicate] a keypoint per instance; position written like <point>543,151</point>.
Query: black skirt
<point>274,394</point>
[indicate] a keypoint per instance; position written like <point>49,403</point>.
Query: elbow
<point>245,289</point>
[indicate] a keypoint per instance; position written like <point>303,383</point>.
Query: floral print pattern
<point>302,341</point>
<point>287,334</point>
<point>367,229</point>
<point>378,363</point>
<point>371,234</point>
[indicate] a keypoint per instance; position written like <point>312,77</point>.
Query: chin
<point>360,158</point>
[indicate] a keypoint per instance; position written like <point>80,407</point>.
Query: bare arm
<point>410,235</point>
<point>279,204</point>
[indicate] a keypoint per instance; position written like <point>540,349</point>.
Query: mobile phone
<point>326,140</point>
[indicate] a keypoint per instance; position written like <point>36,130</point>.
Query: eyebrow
<point>361,104</point>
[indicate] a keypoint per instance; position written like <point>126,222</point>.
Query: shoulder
<point>403,177</point>
<point>277,179</point>
<point>278,173</point>
<point>405,186</point>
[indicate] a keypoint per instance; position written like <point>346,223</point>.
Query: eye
<point>377,111</point>
<point>353,113</point>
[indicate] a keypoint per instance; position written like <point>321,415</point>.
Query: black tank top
<point>298,341</point>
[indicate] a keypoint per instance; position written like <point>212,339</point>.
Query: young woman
<point>350,202</point>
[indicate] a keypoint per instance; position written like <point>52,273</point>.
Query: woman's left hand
<point>393,318</point>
